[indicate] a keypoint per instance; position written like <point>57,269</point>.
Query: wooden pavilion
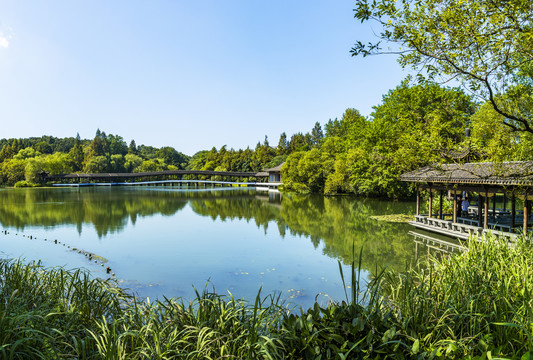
<point>274,174</point>
<point>509,182</point>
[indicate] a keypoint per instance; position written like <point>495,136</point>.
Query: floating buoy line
<point>89,255</point>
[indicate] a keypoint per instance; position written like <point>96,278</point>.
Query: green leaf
<point>415,347</point>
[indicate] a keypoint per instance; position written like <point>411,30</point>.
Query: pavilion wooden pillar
<point>479,210</point>
<point>526,208</point>
<point>454,219</point>
<point>486,215</point>
<point>417,201</point>
<point>504,202</point>
<point>430,213</point>
<point>440,207</point>
<point>494,207</point>
<point>513,211</point>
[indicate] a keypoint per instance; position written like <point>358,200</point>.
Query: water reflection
<point>436,245</point>
<point>342,224</point>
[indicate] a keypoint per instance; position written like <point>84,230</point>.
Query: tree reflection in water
<point>339,222</point>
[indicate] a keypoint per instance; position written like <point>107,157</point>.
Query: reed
<point>475,304</point>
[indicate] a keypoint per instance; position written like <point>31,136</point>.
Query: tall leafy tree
<point>317,134</point>
<point>98,158</point>
<point>76,154</point>
<point>43,147</point>
<point>132,149</point>
<point>283,145</point>
<point>411,128</point>
<point>172,157</point>
<point>333,127</point>
<point>117,145</point>
<point>485,44</point>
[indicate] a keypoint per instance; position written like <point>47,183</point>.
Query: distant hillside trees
<point>24,159</point>
<point>261,157</point>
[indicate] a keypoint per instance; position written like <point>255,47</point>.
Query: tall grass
<point>475,304</point>
<point>47,313</point>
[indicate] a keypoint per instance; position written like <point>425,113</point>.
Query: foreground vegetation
<point>477,304</point>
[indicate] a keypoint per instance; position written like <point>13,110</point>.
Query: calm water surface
<point>163,241</point>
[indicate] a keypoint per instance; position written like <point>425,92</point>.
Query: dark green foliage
<point>299,142</point>
<point>43,147</point>
<point>132,149</point>
<point>317,134</point>
<point>76,155</point>
<point>283,145</point>
<point>23,159</point>
<point>484,45</point>
<point>147,152</point>
<point>117,145</point>
<point>367,156</point>
<point>172,157</point>
<point>233,160</point>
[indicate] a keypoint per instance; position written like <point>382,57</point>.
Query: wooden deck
<point>459,230</point>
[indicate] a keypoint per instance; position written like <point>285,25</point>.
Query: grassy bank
<point>475,304</point>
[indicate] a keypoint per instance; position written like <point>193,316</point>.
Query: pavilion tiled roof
<point>487,173</point>
<point>274,169</point>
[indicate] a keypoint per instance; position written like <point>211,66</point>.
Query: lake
<point>165,241</point>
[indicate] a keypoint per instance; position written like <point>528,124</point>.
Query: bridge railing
<point>119,177</point>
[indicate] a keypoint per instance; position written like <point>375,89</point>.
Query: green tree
<point>132,149</point>
<point>26,153</point>
<point>283,145</point>
<point>132,162</point>
<point>54,164</point>
<point>333,128</point>
<point>485,44</point>
<point>98,157</point>
<point>152,165</point>
<point>43,147</point>
<point>316,134</point>
<point>306,171</point>
<point>490,137</point>
<point>117,145</point>
<point>409,129</point>
<point>76,154</point>
<point>299,142</point>
<point>96,164</point>
<point>6,153</point>
<point>116,163</point>
<point>198,160</point>
<point>147,152</point>
<point>17,145</point>
<point>172,157</point>
<point>12,171</point>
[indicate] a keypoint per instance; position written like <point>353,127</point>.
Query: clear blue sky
<point>188,74</point>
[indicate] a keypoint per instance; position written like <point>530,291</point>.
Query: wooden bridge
<point>153,176</point>
<point>164,178</point>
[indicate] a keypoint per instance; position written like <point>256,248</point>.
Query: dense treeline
<point>414,126</point>
<point>263,156</point>
<point>22,160</point>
